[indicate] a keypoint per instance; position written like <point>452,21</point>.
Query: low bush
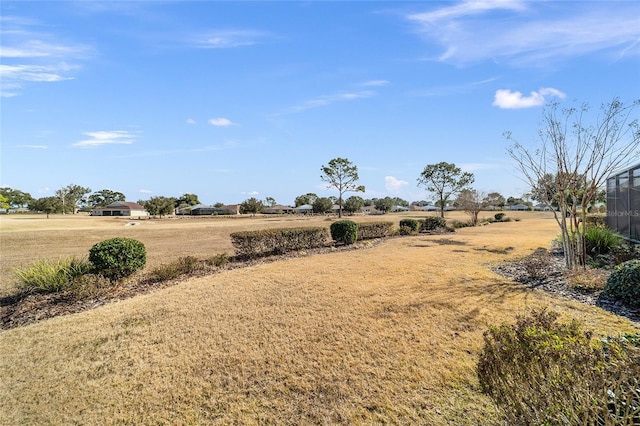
<point>539,371</point>
<point>219,260</point>
<point>432,223</point>
<point>537,263</point>
<point>499,216</point>
<point>624,252</point>
<point>344,231</point>
<point>275,241</point>
<point>118,257</point>
<point>457,224</point>
<point>624,283</point>
<point>409,226</point>
<point>182,266</point>
<point>51,276</point>
<point>367,231</point>
<point>600,240</point>
<point>596,220</point>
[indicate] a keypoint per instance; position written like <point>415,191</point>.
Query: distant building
<point>204,210</point>
<point>278,209</point>
<point>623,203</point>
<point>120,208</point>
<point>304,209</point>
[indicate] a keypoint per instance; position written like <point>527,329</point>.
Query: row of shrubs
<point>113,259</point>
<point>541,372</point>
<point>278,241</point>
<point>282,240</point>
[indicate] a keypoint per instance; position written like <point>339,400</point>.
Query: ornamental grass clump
<point>51,276</point>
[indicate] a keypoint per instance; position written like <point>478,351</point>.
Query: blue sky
<point>231,100</point>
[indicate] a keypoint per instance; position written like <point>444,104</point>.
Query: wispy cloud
<point>99,138</point>
<point>394,185</point>
<point>453,89</point>
<point>226,39</point>
<point>374,83</point>
<point>191,121</point>
<point>506,99</point>
<point>26,146</point>
<point>327,100</point>
<point>221,122</point>
<point>29,56</point>
<point>513,31</point>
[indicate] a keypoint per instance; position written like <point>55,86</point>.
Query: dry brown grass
<point>387,335</point>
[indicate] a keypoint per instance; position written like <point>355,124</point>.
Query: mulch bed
<point>554,282</point>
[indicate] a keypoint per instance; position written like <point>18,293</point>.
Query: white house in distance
<point>120,208</point>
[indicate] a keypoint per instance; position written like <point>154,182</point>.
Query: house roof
<point>123,205</point>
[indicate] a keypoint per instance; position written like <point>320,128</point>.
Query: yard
<point>384,335</point>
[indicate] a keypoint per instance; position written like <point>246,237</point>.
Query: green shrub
<point>600,240</point>
<point>344,231</point>
<point>51,276</point>
<point>274,241</point>
<point>182,266</point>
<point>367,231</point>
<point>596,220</point>
<point>540,372</point>
<point>118,257</point>
<point>219,260</point>
<point>409,226</point>
<point>456,224</point>
<point>432,223</point>
<point>499,216</point>
<point>624,283</point>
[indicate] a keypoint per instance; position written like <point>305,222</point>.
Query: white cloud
<point>251,193</point>
<point>523,35</point>
<point>394,185</point>
<point>221,122</point>
<point>99,138</point>
<point>145,191</point>
<point>191,121</point>
<point>506,99</point>
<point>225,39</point>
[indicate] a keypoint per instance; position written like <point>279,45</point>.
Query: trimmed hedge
<point>432,223</point>
<point>344,231</point>
<point>275,241</point>
<point>367,231</point>
<point>118,257</point>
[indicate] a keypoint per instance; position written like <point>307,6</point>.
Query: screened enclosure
<point>623,203</point>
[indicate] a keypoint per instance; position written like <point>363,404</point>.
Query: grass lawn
<point>385,335</point>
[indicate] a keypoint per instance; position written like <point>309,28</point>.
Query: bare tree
<point>472,202</point>
<point>571,162</point>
